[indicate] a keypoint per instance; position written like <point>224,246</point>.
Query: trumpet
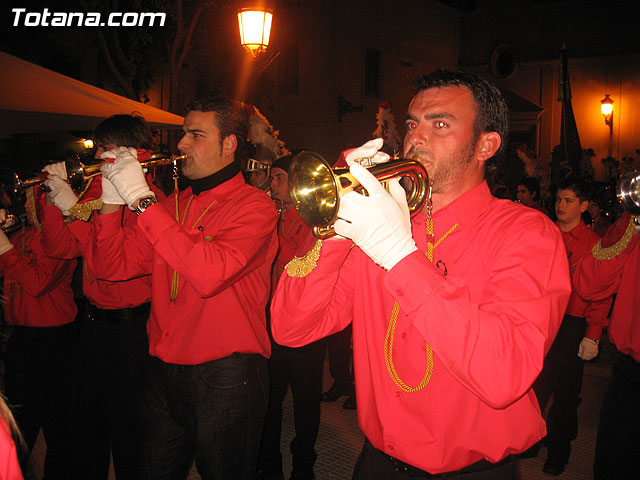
<point>315,188</point>
<point>79,173</point>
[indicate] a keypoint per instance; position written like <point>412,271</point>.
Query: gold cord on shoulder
<point>601,253</point>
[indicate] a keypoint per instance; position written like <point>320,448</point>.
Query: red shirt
<point>489,322</point>
<point>293,235</point>
<point>9,466</point>
<point>37,288</point>
<point>222,251</point>
<point>598,279</point>
<point>579,241</point>
<point>76,239</point>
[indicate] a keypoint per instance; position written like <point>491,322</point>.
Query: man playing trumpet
<point>113,344</point>
<point>209,250</point>
<point>453,310</point>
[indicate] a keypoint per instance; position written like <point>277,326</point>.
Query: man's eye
<point>440,124</point>
<point>410,125</point>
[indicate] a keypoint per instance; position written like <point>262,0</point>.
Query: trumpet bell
<point>315,188</point>
<point>628,192</point>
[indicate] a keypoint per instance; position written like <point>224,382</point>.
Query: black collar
<point>207,183</point>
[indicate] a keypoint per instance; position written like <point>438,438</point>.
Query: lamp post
<point>606,107</point>
<point>255,29</point>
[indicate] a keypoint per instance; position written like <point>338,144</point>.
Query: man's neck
<point>451,193</point>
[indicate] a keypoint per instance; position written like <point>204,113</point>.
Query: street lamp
<point>255,28</point>
<point>606,107</point>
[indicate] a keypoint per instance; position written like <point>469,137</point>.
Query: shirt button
<point>400,292</point>
<point>404,335</point>
<point>166,334</point>
<point>389,447</point>
<point>398,393</point>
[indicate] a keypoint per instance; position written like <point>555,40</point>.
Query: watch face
<point>145,203</point>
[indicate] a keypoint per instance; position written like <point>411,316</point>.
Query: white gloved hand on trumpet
<point>126,175</point>
<point>368,154</point>
<point>110,195</point>
<point>380,223</point>
<point>60,192</point>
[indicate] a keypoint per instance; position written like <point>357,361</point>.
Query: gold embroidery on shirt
<point>82,211</point>
<point>601,253</point>
<point>300,267</point>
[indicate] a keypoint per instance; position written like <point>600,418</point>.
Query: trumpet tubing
<point>78,173</point>
<point>315,188</point>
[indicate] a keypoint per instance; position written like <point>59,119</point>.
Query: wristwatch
<point>145,203</point>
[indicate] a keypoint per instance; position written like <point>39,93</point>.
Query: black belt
<point>117,315</point>
<point>480,466</point>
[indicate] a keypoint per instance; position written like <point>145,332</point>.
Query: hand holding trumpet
<point>126,175</point>
<point>60,192</point>
<point>378,223</point>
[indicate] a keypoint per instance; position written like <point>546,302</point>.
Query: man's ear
<point>584,206</point>
<point>487,146</point>
<point>229,145</point>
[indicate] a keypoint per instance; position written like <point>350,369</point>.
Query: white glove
<point>368,153</point>
<point>61,194</point>
<point>5,244</point>
<point>379,224</point>
<point>588,349</point>
<point>58,168</point>
<point>109,193</point>
<point>127,176</point>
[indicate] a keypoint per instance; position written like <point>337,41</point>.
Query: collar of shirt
<point>220,191</point>
<point>207,183</point>
<point>576,232</point>
<point>464,210</point>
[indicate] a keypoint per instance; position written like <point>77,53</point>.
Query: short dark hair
<point>231,119</point>
<point>492,113</point>
<point>532,184</point>
<point>124,131</point>
<point>577,185</point>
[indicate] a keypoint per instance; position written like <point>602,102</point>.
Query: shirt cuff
<point>593,332</point>
<point>412,280</point>
<point>154,222</point>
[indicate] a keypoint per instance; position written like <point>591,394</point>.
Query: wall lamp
<point>606,107</point>
<point>255,29</point>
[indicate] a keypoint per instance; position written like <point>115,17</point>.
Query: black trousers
<point>561,377</point>
<point>39,366</point>
<point>300,368</point>
<point>111,362</point>
<point>374,464</point>
<point>212,411</point>
<point>340,359</point>
<point>618,441</point>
